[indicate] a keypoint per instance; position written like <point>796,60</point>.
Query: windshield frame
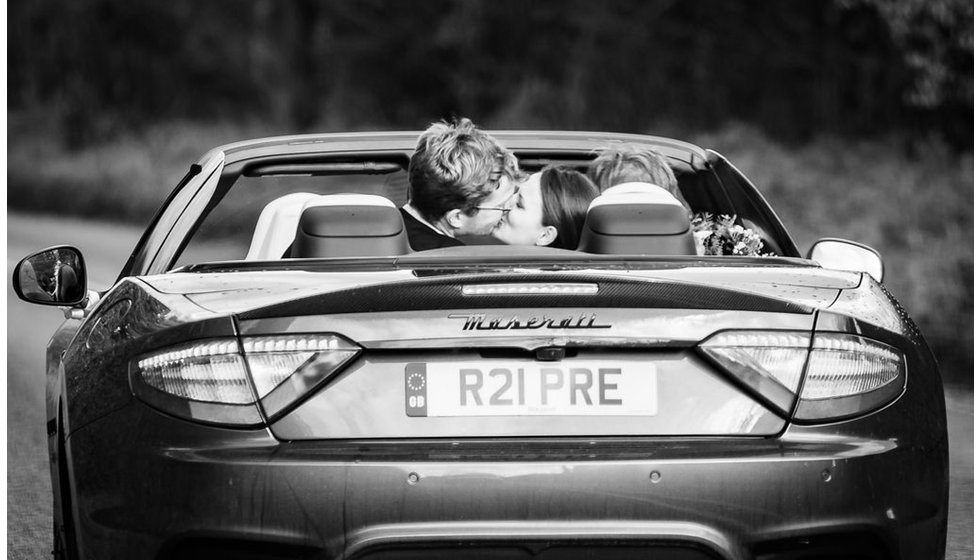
<point>166,238</point>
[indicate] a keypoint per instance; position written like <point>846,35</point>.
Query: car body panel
<point>690,399</point>
<point>253,487</point>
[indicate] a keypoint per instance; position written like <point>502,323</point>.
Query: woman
<point>548,210</point>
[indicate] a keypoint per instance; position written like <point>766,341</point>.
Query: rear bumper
<point>151,486</point>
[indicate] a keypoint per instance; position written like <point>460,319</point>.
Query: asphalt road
<point>106,248</point>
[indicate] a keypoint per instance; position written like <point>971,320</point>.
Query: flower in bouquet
<point>720,235</point>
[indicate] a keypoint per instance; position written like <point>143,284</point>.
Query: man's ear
<point>453,218</point>
<point>546,236</point>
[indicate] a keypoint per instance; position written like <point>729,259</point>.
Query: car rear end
<point>523,415</point>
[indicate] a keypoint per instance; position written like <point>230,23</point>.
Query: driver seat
<point>276,226</point>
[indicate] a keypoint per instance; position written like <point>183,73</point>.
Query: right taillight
<point>849,375</point>
<point>829,376</point>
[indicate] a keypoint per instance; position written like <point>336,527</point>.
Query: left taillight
<point>286,368</point>
<point>218,381</point>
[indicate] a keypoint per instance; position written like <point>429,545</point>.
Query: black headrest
<point>637,223</point>
<point>348,225</point>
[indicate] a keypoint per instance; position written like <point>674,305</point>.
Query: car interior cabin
<point>347,206</point>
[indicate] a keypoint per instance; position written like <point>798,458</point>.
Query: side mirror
<point>841,254</point>
<point>54,276</point>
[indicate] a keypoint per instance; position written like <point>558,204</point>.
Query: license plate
<point>530,389</point>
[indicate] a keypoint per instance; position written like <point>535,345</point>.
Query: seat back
<point>349,225</point>
<point>643,222</point>
<point>276,227</point>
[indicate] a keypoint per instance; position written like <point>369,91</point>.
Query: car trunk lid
<point>620,360</point>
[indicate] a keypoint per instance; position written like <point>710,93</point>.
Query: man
<point>461,182</point>
<point>627,167</point>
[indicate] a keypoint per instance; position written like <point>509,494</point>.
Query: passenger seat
<point>648,222</point>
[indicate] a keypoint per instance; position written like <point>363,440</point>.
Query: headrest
<point>644,222</point>
<point>349,225</point>
<point>276,227</point>
<point>634,186</point>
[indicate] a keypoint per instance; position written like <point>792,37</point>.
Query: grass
<point>913,204</point>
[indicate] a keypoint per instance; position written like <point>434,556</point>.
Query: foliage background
<point>853,117</point>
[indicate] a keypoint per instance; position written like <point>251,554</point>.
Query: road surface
<point>106,248</point>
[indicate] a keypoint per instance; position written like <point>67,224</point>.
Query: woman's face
<point>522,225</point>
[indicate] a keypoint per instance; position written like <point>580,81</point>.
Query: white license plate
<point>488,388</point>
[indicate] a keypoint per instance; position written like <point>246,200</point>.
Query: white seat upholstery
<point>276,226</point>
<point>633,187</point>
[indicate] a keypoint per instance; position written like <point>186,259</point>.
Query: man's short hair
<point>456,165</point>
<point>628,163</point>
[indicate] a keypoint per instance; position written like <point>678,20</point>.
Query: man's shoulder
<point>422,237</point>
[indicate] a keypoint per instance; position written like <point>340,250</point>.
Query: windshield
<point>255,213</point>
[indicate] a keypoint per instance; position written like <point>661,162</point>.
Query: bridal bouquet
<point>720,235</point>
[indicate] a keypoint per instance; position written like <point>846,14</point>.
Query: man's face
<point>491,210</point>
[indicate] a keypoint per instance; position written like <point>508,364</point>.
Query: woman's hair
<point>565,198</point>
<point>456,165</point>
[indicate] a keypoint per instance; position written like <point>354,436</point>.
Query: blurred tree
<point>795,69</point>
<point>935,38</point>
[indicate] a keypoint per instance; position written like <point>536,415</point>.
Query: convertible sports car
<point>276,375</point>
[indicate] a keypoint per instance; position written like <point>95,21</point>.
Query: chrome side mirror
<point>841,254</point>
<point>54,276</point>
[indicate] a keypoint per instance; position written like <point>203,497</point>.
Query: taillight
<point>769,363</point>
<point>831,377</point>
<point>211,371</point>
<point>213,381</point>
<point>849,375</point>
<point>285,368</point>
